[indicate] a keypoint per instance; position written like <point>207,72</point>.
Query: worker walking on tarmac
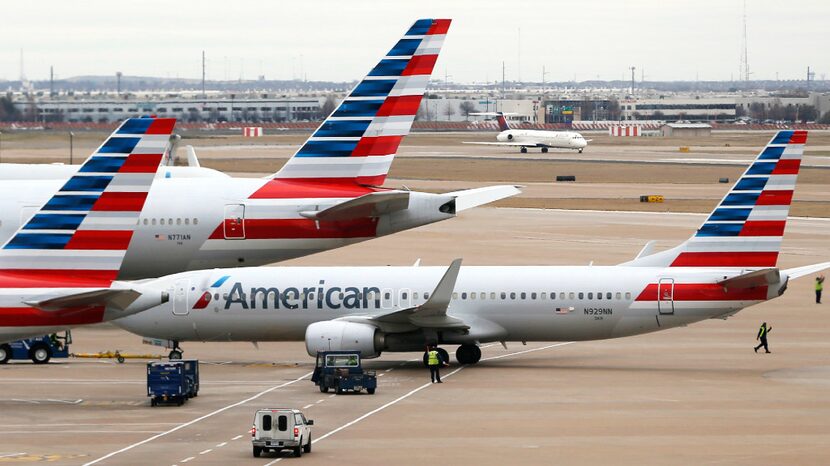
<point>434,362</point>
<point>762,335</point>
<point>819,288</point>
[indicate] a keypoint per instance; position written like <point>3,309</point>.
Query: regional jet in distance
<point>524,138</point>
<point>326,196</point>
<point>728,264</point>
<point>59,269</point>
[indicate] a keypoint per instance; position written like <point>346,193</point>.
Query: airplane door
<point>234,224</point>
<point>180,300</point>
<point>665,296</point>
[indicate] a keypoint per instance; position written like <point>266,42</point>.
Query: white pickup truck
<point>278,429</point>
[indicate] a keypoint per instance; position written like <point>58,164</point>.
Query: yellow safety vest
<point>433,358</point>
<point>819,285</point>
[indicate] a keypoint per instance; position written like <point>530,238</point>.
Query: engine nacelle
<point>343,336</point>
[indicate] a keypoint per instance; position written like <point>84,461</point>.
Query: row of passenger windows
<point>599,295</point>
<point>170,221</point>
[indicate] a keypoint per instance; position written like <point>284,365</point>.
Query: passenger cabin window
<point>524,295</point>
<point>619,295</point>
<point>532,295</point>
<point>561,295</point>
<point>426,295</point>
<point>282,423</point>
<point>195,221</point>
<point>455,296</point>
<point>266,422</point>
<point>513,295</point>
<point>599,295</point>
<point>581,295</point>
<point>544,295</point>
<point>464,295</point>
<point>187,221</point>
<point>608,295</point>
<point>492,295</point>
<point>503,295</point>
<point>473,295</point>
<point>627,295</point>
<point>590,296</point>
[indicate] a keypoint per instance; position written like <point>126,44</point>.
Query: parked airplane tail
<point>87,225</point>
<point>502,120</point>
<point>746,228</point>
<point>356,143</point>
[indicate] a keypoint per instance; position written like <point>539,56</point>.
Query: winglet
<point>440,298</point>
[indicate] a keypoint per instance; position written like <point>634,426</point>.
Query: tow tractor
<point>39,349</point>
<point>341,371</point>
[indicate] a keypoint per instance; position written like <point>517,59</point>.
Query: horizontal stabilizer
<point>469,198</point>
<point>647,250</point>
<point>192,160</point>
<point>369,205</point>
<point>806,270</point>
<point>763,277</point>
<point>118,299</point>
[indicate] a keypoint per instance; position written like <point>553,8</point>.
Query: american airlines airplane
<point>728,264</point>
<point>59,270</point>
<point>326,196</point>
<point>524,138</point>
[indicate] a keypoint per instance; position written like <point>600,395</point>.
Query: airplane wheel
<point>580,151</point>
<point>468,354</point>
<point>544,150</point>
<point>175,355</point>
<point>523,150</point>
<point>40,354</point>
<point>5,353</point>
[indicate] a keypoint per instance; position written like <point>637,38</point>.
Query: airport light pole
<point>71,137</point>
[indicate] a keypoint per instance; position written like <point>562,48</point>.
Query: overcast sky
<point>340,40</point>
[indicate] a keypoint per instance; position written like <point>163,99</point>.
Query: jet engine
<point>344,336</point>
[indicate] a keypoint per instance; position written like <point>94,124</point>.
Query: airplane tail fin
<point>746,228</point>
<point>502,120</point>
<point>84,229</point>
<point>356,143</point>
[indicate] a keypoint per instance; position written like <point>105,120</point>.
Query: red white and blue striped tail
<point>85,228</point>
<point>356,143</point>
<point>746,228</point>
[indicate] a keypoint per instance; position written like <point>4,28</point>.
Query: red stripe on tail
<point>141,163</point>
<point>111,201</point>
<point>381,145</point>
<point>439,26</point>
<point>787,167</point>
<point>775,198</point>
<point>404,105</point>
<point>726,259</point>
<point>763,228</point>
<point>100,239</point>
<point>420,64</point>
<point>161,126</point>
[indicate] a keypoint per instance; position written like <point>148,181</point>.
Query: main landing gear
<point>468,354</point>
<point>523,150</point>
<point>544,150</point>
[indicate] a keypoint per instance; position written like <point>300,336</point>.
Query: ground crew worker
<point>434,362</point>
<point>819,287</point>
<point>762,335</point>
<point>53,338</point>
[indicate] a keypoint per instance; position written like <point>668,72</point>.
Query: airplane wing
<point>431,314</point>
<point>369,205</point>
<point>806,270</point>
<point>119,299</point>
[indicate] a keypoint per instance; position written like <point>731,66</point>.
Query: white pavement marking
<point>403,397</point>
<point>528,351</point>
<point>237,437</point>
<point>9,455</point>
<point>220,445</point>
<point>187,459</point>
<point>186,424</point>
<point>206,451</point>
<point>308,406</point>
<point>320,401</point>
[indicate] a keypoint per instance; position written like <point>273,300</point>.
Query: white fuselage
<point>497,303</point>
<point>554,139</point>
<point>182,226</point>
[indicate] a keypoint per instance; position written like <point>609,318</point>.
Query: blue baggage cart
<point>191,371</point>
<point>167,382</point>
